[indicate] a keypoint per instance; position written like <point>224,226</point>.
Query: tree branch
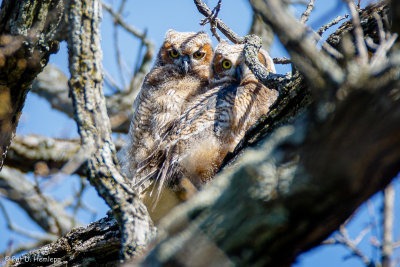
<point>300,185</point>
<point>28,37</point>
<point>388,217</point>
<point>98,243</point>
<point>94,127</point>
<point>48,213</point>
<point>317,67</point>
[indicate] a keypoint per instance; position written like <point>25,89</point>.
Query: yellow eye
<point>226,64</point>
<point>173,53</point>
<point>198,55</point>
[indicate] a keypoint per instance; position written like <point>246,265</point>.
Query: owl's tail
<point>156,169</point>
<point>164,174</point>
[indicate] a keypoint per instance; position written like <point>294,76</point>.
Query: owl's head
<point>228,63</point>
<point>187,52</point>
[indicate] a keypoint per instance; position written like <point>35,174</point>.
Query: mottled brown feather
<point>197,142</point>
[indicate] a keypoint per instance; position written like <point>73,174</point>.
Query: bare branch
<point>319,68</point>
<point>330,24</point>
<point>359,35</point>
<point>388,217</point>
<point>206,11</point>
<point>94,128</point>
<point>44,210</point>
<point>138,73</point>
<point>43,237</point>
<point>307,12</point>
<point>282,60</point>
<point>211,19</point>
<point>264,31</point>
<point>28,151</point>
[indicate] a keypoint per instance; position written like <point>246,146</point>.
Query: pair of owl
<point>194,107</point>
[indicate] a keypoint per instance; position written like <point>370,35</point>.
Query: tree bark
<point>86,83</point>
<point>27,38</point>
<point>340,144</point>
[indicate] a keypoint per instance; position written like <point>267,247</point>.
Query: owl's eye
<point>173,53</point>
<point>226,64</point>
<point>198,55</point>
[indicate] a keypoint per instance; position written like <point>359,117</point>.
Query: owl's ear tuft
<point>170,32</point>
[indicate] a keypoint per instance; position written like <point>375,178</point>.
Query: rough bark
<point>97,244</point>
<point>291,192</point>
<point>27,38</point>
<point>85,64</point>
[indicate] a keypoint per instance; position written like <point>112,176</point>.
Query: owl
<point>192,150</point>
<point>180,72</point>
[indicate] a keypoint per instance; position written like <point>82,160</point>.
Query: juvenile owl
<point>180,73</point>
<point>193,149</point>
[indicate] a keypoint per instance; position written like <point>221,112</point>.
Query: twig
<point>47,237</point>
<point>118,54</point>
<point>111,83</point>
<point>16,188</point>
<point>211,20</point>
<point>144,41</point>
<point>282,60</point>
<point>388,217</point>
<point>206,11</point>
<point>358,32</point>
<point>79,203</point>
<point>370,43</point>
<point>330,24</point>
<point>251,48</point>
<point>126,26</point>
<point>379,57</point>
<point>315,65</point>
<point>307,12</point>
<point>374,223</point>
<point>46,207</point>
<point>344,239</point>
<point>138,58</point>
<point>328,48</point>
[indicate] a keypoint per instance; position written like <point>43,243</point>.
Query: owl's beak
<point>238,74</point>
<point>185,64</point>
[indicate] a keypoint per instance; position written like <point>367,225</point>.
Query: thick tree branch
<point>283,201</point>
<point>28,37</point>
<point>28,151</point>
<point>94,127</point>
<point>300,185</point>
<point>96,244</point>
<point>317,67</point>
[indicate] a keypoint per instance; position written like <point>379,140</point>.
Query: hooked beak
<point>238,74</point>
<point>185,64</point>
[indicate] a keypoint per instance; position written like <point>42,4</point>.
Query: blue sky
<point>157,16</point>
